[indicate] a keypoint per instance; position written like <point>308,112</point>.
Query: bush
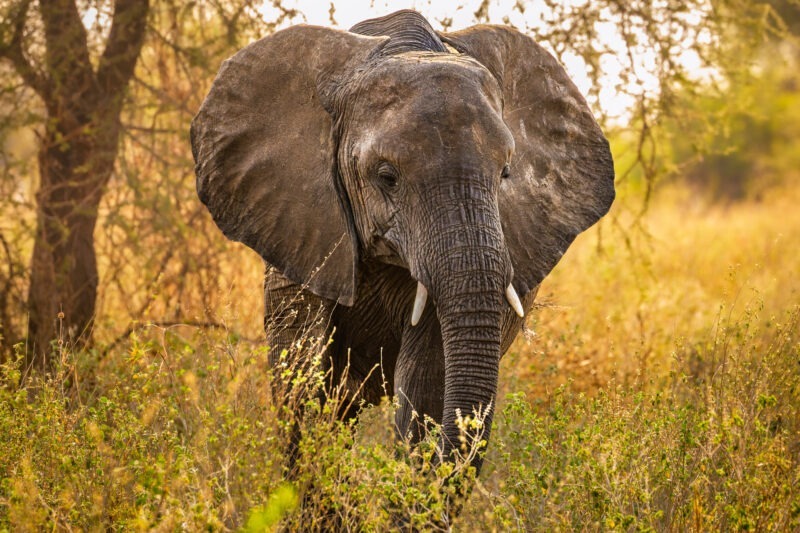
<point>181,433</point>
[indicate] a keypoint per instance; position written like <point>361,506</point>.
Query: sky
<point>348,12</point>
<point>615,104</point>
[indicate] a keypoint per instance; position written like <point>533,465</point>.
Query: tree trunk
<point>76,158</point>
<point>64,277</point>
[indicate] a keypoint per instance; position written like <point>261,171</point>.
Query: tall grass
<point>661,391</point>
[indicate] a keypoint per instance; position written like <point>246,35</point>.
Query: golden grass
<point>617,308</point>
<point>681,409</point>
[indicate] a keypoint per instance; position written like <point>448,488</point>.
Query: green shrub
<point>182,433</point>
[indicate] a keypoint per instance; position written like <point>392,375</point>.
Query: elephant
<point>408,188</point>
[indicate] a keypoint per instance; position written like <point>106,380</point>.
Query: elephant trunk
<point>471,341</point>
<point>469,270</point>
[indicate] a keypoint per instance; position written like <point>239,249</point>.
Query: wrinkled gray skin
<point>360,163</point>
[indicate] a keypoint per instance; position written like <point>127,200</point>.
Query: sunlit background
<point>635,74</point>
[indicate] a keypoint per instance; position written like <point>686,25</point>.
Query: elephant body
<point>408,190</point>
<point>369,336</point>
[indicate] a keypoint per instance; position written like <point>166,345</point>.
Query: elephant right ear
<point>264,155</point>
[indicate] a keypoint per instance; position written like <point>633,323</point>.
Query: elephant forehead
<point>426,80</point>
<point>431,103</point>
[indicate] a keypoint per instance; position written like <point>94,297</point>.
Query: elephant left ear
<point>562,174</point>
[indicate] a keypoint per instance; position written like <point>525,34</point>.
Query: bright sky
<point>462,13</point>
<point>348,12</point>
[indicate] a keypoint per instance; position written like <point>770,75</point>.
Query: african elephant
<point>415,186</point>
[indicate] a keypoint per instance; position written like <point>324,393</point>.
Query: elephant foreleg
<point>296,322</point>
<point>297,326</point>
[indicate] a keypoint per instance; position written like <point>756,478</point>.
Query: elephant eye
<point>387,175</point>
<point>506,172</point>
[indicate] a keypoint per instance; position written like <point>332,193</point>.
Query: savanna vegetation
<point>656,388</point>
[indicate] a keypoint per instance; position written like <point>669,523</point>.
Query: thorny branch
<point>170,324</point>
<point>13,50</point>
<point>123,45</point>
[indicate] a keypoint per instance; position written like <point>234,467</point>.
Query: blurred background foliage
<point>657,386</point>
<point>704,93</point>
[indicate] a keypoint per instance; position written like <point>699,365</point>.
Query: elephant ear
<point>264,155</point>
<point>562,174</point>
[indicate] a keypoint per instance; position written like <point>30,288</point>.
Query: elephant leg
<point>419,378</point>
<point>296,322</point>
<point>297,326</point>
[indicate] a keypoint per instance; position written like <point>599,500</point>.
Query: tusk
<point>513,299</point>
<point>419,303</point>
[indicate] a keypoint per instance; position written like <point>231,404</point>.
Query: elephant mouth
<point>382,249</point>
<point>421,299</point>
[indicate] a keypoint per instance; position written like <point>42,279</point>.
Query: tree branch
<point>13,51</point>
<point>67,54</point>
<point>172,324</point>
<point>123,45</point>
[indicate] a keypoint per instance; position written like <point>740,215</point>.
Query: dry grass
<point>617,309</point>
<point>661,392</point>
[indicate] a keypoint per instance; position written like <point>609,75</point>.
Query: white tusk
<point>513,299</point>
<point>419,303</point>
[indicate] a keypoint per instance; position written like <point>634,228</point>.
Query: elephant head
<point>468,158</point>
